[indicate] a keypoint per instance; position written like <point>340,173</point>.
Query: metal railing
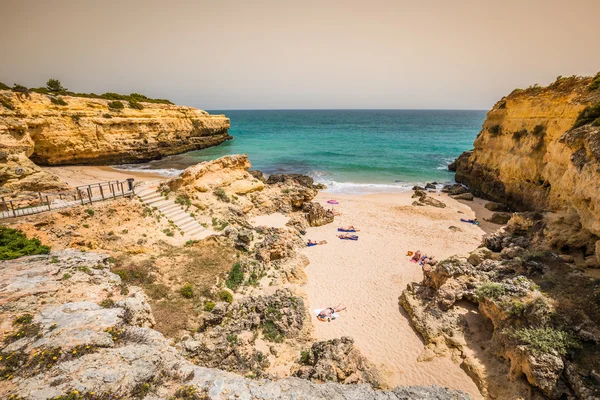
<point>28,204</point>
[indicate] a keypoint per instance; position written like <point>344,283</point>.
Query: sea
<point>350,151</point>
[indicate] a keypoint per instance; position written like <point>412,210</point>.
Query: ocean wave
<point>364,188</point>
<point>141,168</point>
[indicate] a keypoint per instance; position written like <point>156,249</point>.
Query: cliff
<point>34,128</point>
<point>529,156</point>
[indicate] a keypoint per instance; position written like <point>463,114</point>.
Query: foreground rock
<point>87,131</point>
<point>71,330</point>
<point>423,199</point>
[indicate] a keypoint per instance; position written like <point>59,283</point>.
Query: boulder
<point>316,215</point>
<point>302,180</point>
<point>500,218</point>
<point>464,196</point>
<point>496,206</point>
<point>477,256</point>
<point>430,186</point>
<point>455,189</point>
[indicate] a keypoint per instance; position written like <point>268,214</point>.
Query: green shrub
<point>90,212</point>
<point>588,115</point>
<point>54,86</point>
<point>14,244</point>
<point>157,291</point>
<point>495,130</point>
<point>107,115</point>
<point>107,303</point>
<point>221,195</point>
<point>135,105</point>
<point>490,290</point>
<point>58,101</point>
<point>596,82</point>
<point>183,200</point>
<point>76,118</point>
<point>224,295</point>
<point>271,333</point>
<point>187,291</point>
<point>168,232</point>
<point>189,393</point>
<point>304,357</point>
<point>545,340</point>
<point>7,103</point>
<point>115,105</point>
<point>209,306</point>
<point>66,276</point>
<point>236,277</point>
<point>4,87</point>
<point>20,89</point>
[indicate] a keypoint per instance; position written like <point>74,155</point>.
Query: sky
<point>283,54</point>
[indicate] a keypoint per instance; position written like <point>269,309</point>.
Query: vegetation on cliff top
<point>562,84</point>
<point>15,244</point>
<point>54,86</point>
<point>589,115</point>
<point>546,340</point>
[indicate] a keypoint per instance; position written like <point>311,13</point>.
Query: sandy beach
<point>77,175</point>
<point>369,275</point>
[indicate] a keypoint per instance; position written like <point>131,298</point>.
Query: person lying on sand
<point>427,261</point>
<point>470,221</point>
<point>348,237</point>
<point>416,257</point>
<point>311,243</point>
<point>349,228</point>
<point>335,213</point>
<point>329,313</point>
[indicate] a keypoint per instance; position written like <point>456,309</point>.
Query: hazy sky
<point>225,54</point>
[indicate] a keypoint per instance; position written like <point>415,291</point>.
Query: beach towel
<point>317,311</point>
<point>350,238</point>
<point>470,221</point>
<point>332,202</point>
<point>311,244</point>
<point>346,230</point>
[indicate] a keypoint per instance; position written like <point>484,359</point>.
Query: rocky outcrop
<point>337,360</point>
<point>515,300</point>
<point>67,332</point>
<point>317,215</point>
<point>87,131</point>
<point>529,157</point>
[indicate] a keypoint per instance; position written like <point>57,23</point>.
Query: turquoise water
<point>349,150</point>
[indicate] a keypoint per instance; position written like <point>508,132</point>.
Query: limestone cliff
<point>87,131</point>
<point>529,156</point>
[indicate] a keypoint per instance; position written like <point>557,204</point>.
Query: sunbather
<point>311,243</point>
<point>416,257</point>
<point>329,313</point>
<point>470,221</point>
<point>335,213</point>
<point>348,237</point>
<point>349,228</point>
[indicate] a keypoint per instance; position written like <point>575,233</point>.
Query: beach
<point>369,275</point>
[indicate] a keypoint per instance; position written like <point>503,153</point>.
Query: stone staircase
<point>174,212</point>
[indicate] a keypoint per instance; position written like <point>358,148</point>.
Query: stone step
<point>195,231</point>
<point>186,225</point>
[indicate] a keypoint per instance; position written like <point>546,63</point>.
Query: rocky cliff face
<point>529,156</point>
<point>87,131</point>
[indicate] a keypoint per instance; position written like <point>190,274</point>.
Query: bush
<point>588,115</point>
<point>7,103</point>
<point>305,357</point>
<point>107,303</point>
<point>221,195</point>
<point>236,277</point>
<point>495,130</point>
<point>209,306</point>
<point>4,87</point>
<point>187,291</point>
<point>115,105</point>
<point>14,244</point>
<point>546,340</point>
<point>90,212</point>
<point>135,105</point>
<point>107,116</point>
<point>593,86</point>
<point>54,86</point>
<point>168,232</point>
<point>539,130</point>
<point>183,200</point>
<point>490,290</point>
<point>58,101</point>
<point>271,333</point>
<point>20,89</point>
<point>224,295</point>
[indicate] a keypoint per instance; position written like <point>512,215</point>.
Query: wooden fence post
<point>48,201</point>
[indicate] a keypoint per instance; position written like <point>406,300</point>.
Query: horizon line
<point>346,109</point>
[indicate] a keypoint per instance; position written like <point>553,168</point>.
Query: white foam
<point>159,171</point>
<point>365,188</point>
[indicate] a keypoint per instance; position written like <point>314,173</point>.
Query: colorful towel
<point>470,221</point>
<point>317,311</point>
<point>350,238</point>
<point>332,202</point>
<point>346,230</point>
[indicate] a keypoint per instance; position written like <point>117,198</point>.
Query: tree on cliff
<point>54,86</point>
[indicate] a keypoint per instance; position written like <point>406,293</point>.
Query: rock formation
<point>529,155</point>
<point>87,131</point>
<point>70,331</point>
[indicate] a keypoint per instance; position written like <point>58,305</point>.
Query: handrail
<point>27,204</point>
